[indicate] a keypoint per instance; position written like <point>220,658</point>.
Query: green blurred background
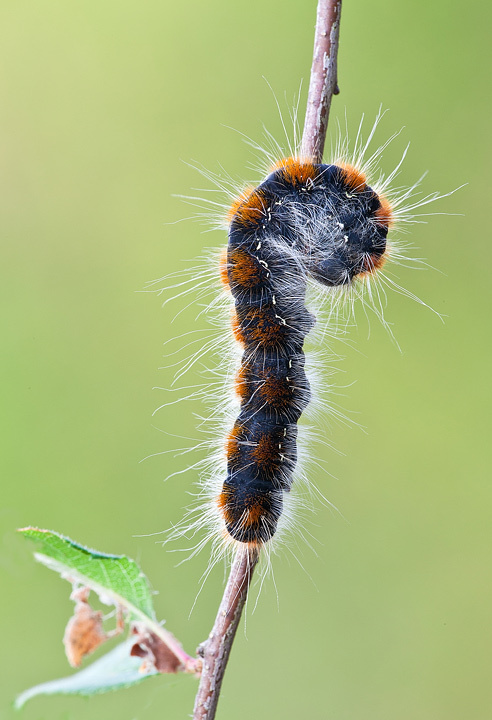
<point>102,105</point>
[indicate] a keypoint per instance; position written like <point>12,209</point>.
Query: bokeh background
<point>103,104</point>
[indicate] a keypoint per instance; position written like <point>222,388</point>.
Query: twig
<point>323,85</point>
<point>216,649</point>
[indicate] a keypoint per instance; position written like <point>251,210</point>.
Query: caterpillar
<point>304,221</point>
<point>306,225</point>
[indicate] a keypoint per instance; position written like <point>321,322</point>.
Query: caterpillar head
<point>327,213</point>
<point>348,223</point>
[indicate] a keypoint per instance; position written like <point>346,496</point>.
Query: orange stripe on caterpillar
<point>276,391</point>
<point>255,512</point>
<point>243,197</point>
<point>241,382</point>
<point>354,178</point>
<point>233,440</point>
<point>264,327</point>
<point>268,453</point>
<point>244,269</point>
<point>384,214</point>
<point>296,171</point>
<point>237,330</point>
<point>223,503</point>
<point>248,208</point>
<point>250,517</point>
<point>224,278</point>
<point>372,263</point>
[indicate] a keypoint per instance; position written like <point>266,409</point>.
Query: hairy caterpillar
<point>305,220</point>
<point>305,225</point>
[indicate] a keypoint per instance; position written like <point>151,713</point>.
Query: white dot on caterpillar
<point>258,246</point>
<point>341,225</point>
<point>265,264</point>
<point>274,301</point>
<point>345,237</point>
<point>285,432</point>
<point>277,317</point>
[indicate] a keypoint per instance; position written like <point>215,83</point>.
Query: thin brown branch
<point>216,649</point>
<point>323,83</point>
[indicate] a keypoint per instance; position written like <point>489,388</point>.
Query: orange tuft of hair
<point>223,503</point>
<point>224,278</point>
<point>243,197</point>
<point>276,391</point>
<point>267,452</point>
<point>244,269</point>
<point>241,382</point>
<point>373,263</point>
<point>296,171</point>
<point>266,333</point>
<point>353,177</point>
<point>255,512</point>
<point>236,328</point>
<point>232,442</point>
<point>384,214</point>
<point>248,208</point>
<point>223,498</point>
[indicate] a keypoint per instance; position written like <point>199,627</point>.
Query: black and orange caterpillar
<point>305,220</point>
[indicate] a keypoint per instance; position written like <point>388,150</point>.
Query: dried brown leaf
<point>84,632</point>
<point>154,652</point>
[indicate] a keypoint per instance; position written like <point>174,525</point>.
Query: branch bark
<point>323,83</point>
<point>216,649</point>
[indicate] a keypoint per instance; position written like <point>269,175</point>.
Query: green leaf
<point>115,578</point>
<point>114,670</point>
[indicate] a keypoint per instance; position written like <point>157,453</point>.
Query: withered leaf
<point>155,652</point>
<point>84,633</point>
